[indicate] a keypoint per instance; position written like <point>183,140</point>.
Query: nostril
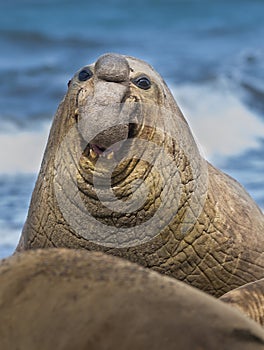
<point>112,67</point>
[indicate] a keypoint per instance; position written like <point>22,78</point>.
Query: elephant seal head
<point>121,158</point>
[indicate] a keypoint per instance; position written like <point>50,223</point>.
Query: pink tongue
<point>97,149</point>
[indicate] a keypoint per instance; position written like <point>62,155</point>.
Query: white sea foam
<point>8,240</point>
<point>223,125</point>
<point>9,236</point>
<point>21,151</point>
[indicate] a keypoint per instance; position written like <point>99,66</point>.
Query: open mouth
<point>94,150</point>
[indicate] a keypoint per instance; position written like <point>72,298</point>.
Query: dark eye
<point>85,74</point>
<point>142,82</point>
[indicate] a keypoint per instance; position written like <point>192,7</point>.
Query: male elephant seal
<point>122,174</point>
<point>73,299</point>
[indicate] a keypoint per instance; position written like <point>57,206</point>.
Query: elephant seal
<point>122,174</point>
<point>74,299</point>
<point>249,299</point>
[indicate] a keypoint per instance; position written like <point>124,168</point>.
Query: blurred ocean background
<point>211,53</point>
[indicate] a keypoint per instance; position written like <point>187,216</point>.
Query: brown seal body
<point>162,206</point>
<point>68,299</point>
<point>249,299</point>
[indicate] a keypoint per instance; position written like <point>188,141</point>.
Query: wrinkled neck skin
<point>122,174</point>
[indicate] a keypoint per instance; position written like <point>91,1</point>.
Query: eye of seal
<point>85,74</point>
<point>142,82</point>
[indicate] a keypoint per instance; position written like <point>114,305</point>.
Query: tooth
<point>110,155</point>
<point>93,154</point>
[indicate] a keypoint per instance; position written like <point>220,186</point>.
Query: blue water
<point>203,49</point>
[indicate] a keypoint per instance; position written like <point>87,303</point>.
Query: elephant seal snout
<point>112,67</point>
